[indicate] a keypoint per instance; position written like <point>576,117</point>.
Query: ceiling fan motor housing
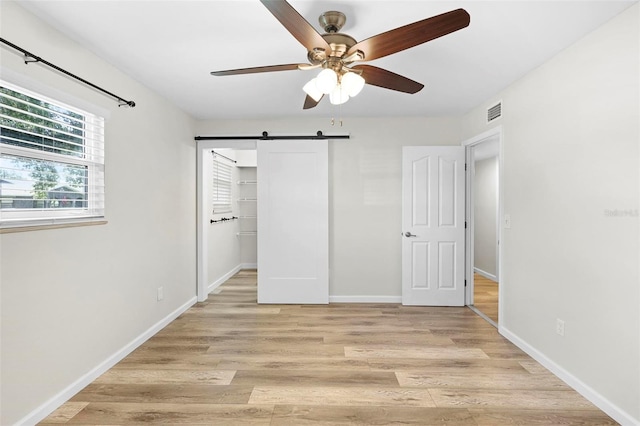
<point>332,21</point>
<point>340,44</point>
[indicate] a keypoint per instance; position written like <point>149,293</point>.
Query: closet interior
<point>232,226</point>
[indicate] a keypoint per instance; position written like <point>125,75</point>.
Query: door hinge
<point>465,224</point>
<point>465,283</point>
<point>465,166</point>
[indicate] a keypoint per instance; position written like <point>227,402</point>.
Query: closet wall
<point>232,243</point>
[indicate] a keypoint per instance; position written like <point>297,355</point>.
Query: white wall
<point>570,153</point>
<point>73,297</point>
<point>485,216</point>
<point>364,193</point>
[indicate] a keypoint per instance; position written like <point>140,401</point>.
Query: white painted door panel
<point>433,225</point>
<point>293,238</point>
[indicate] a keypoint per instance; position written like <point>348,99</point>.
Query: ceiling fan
<point>336,52</point>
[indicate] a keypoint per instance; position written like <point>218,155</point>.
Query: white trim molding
<point>485,274</point>
<point>56,401</point>
<point>495,132</point>
<point>217,283</point>
<point>222,279</point>
<point>578,385</point>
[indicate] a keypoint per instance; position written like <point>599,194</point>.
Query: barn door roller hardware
<point>265,137</point>
<point>30,57</point>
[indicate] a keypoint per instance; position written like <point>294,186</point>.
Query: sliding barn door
<point>433,197</point>
<point>293,217</point>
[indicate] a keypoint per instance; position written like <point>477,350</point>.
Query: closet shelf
<point>247,199</point>
<point>248,217</point>
<point>247,233</point>
<point>247,182</point>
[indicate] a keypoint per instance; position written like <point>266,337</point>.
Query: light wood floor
<point>231,361</point>
<point>485,296</point>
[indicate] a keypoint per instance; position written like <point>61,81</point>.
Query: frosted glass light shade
<point>352,83</point>
<point>311,89</point>
<point>338,95</point>
<point>326,80</point>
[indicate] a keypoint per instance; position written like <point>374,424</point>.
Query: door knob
<point>409,234</point>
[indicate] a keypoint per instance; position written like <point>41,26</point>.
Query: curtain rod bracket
<point>28,61</point>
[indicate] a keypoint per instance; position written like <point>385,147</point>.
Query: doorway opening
<point>484,289</point>
<point>226,239</point>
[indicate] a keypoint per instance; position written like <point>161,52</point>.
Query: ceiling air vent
<point>494,112</point>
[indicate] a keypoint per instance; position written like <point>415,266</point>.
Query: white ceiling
<point>171,46</point>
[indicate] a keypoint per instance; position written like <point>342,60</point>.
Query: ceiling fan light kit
<point>339,87</point>
<point>335,52</point>
<point>312,89</point>
<point>352,83</point>
<point>338,95</point>
<point>326,80</point>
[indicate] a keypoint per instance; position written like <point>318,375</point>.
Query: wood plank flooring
<point>229,361</point>
<point>485,296</point>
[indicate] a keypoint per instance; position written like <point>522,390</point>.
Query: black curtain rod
<point>220,155</point>
<point>265,137</point>
<point>35,58</point>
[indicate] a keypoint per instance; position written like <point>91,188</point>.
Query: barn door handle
<point>409,234</point>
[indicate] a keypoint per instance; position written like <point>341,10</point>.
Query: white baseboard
<point>485,274</point>
<point>365,299</point>
<point>223,278</point>
<point>583,389</point>
<point>55,402</point>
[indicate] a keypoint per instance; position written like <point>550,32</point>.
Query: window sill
<point>42,227</point>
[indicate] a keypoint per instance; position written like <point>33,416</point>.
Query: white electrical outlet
<point>507,221</point>
<point>559,327</point>
<point>160,293</point>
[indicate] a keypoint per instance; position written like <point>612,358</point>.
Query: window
<point>221,193</point>
<point>51,160</point>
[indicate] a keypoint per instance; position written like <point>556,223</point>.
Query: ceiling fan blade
<point>296,25</point>
<point>411,35</point>
<point>309,102</point>
<point>387,79</point>
<point>268,68</point>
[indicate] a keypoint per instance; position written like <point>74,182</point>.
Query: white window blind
<point>51,160</point>
<point>222,189</point>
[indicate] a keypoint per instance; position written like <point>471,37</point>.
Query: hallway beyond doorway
<point>485,296</point>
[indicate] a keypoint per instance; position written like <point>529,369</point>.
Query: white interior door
<point>293,217</point>
<point>433,197</point>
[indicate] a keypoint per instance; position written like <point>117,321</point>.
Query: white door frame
<point>494,133</point>
<point>202,211</point>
